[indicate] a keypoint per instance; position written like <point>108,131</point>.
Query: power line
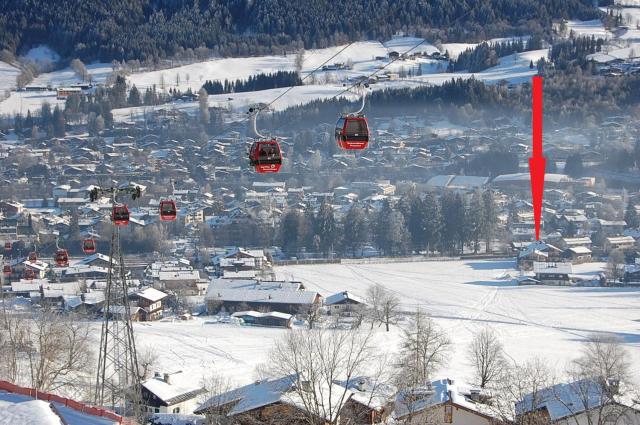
<point>424,40</point>
<point>308,75</point>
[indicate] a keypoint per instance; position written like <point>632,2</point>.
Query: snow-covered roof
<point>342,297</point>
<point>561,268</point>
<point>271,391</point>
<point>369,391</point>
<point>564,400</point>
<point>152,294</point>
<point>257,314</point>
<point>581,250</point>
<point>437,393</point>
<point>255,284</point>
<point>169,393</point>
<point>620,240</point>
<point>577,241</point>
<point>261,296</point>
<point>517,177</point>
<point>179,275</point>
<point>93,257</point>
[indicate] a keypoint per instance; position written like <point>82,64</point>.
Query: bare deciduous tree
<point>147,360</point>
<point>425,348</point>
<point>486,354</point>
<point>615,263</point>
<point>46,351</point>
<point>203,101</point>
<point>217,396</point>
<point>299,61</point>
<point>384,306</point>
<point>80,69</point>
<point>520,393</point>
<point>597,379</point>
<point>317,359</point>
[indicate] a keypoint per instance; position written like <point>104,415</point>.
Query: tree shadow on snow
<point>492,283</point>
<point>492,264</point>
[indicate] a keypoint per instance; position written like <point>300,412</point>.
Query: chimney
<point>167,378</point>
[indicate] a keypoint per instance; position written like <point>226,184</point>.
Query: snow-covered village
<point>311,213</point>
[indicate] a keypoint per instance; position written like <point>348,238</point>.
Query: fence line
<point>386,260</point>
<point>75,405</point>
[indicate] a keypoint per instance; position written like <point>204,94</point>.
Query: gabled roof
<point>564,400</point>
<point>440,392</point>
<point>271,391</point>
<point>170,394</point>
<point>342,297</point>
<point>261,296</point>
<point>152,294</point>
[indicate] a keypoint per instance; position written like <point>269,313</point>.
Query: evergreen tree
<point>354,229</point>
<point>134,97</point>
<point>290,232</point>
<point>325,228</point>
<point>490,219</point>
<point>59,122</point>
<point>381,229</point>
<point>432,221</point>
<point>416,224</point>
<point>45,114</point>
<point>573,166</point>
<point>449,223</point>
<point>631,216</point>
<point>459,217</point>
<point>119,92</point>
<point>476,219</point>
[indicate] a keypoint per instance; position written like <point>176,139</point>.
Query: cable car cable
<point>307,76</point>
<point>424,40</point>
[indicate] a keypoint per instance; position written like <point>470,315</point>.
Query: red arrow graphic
<point>537,162</point>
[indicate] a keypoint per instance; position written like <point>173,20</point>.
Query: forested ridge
<point>152,29</point>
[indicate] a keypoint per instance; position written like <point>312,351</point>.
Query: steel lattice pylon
<point>117,380</point>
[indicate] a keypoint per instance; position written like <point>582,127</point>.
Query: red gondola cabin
<point>168,210</point>
<point>120,215</point>
<point>29,274</point>
<point>33,257</point>
<point>88,246</point>
<point>62,258</point>
<point>266,156</point>
<point>7,246</point>
<point>6,270</point>
<point>352,132</point>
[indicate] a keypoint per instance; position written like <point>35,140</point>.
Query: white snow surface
<point>22,101</point>
<point>594,28</point>
<point>33,412</point>
<point>17,409</point>
<point>512,68</point>
<point>8,74</point>
<point>461,296</point>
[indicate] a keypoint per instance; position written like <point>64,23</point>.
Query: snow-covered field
<point>461,296</point>
<point>323,85</point>
<point>512,68</point>
<point>588,28</point>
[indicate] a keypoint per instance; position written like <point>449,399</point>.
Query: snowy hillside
<point>362,56</point>
<point>461,296</point>
<point>8,74</point>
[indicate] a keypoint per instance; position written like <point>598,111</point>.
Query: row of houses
<point>363,400</point>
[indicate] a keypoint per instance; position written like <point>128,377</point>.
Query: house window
<point>157,410</point>
<point>448,414</point>
<point>176,410</point>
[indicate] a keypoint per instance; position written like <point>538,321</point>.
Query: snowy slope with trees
<point>461,296</point>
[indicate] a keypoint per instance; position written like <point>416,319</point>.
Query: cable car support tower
<point>118,378</point>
